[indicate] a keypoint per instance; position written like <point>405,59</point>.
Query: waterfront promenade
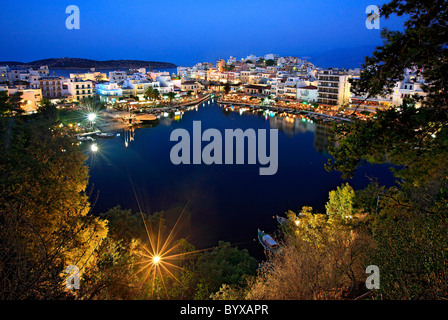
<point>280,109</point>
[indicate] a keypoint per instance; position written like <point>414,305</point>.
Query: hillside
<point>78,63</point>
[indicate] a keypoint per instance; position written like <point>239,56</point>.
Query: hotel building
<point>333,88</point>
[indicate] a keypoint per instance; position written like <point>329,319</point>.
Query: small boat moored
<point>267,242</point>
<point>104,135</point>
<point>84,138</point>
<point>281,220</point>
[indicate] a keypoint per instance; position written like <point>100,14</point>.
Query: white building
<point>307,93</point>
<point>409,86</point>
<point>271,56</point>
<point>231,60</point>
<point>333,87</point>
<point>117,76</point>
<point>79,89</point>
<point>108,92</point>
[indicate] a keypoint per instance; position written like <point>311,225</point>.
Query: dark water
<point>225,202</point>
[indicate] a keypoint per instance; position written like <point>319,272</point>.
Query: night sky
<point>187,32</point>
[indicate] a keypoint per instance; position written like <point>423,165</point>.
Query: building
<point>221,65</point>
<point>79,89</point>
<point>271,56</point>
<point>231,60</point>
<point>108,92</point>
<point>137,88</point>
<point>53,87</point>
<point>307,93</point>
<point>117,76</point>
<point>411,85</point>
<point>333,88</point>
<point>90,76</point>
<point>30,96</point>
<point>190,86</point>
<point>257,89</point>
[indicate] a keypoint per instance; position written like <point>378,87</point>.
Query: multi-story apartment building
<point>108,92</point>
<point>333,88</point>
<point>52,87</point>
<point>138,88</point>
<point>117,76</point>
<point>79,89</point>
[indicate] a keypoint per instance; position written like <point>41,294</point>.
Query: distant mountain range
<point>342,58</point>
<point>78,63</point>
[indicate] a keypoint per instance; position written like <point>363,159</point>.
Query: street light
<point>94,147</point>
<point>156,259</point>
<point>91,117</point>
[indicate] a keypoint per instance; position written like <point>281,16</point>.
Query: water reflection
<point>129,135</point>
<point>290,125</point>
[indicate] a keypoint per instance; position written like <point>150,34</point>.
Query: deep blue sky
<point>187,32</point>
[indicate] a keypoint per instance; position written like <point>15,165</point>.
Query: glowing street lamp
<point>94,147</point>
<point>156,259</point>
<point>91,117</point>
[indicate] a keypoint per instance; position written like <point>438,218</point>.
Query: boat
<point>104,135</point>
<point>146,118</point>
<point>281,220</point>
<point>267,242</point>
<point>84,138</point>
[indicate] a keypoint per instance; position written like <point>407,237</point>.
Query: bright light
<point>156,259</point>
<point>91,117</point>
<point>94,147</point>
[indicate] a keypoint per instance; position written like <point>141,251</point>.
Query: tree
<point>171,96</point>
<point>45,224</point>
<point>270,62</point>
<point>11,104</point>
<point>156,94</point>
<point>227,88</point>
<point>149,92</point>
<point>340,203</point>
<point>408,220</point>
<point>320,258</point>
<point>222,265</point>
<point>48,111</point>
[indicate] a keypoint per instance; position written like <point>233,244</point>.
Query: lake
<point>223,202</point>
